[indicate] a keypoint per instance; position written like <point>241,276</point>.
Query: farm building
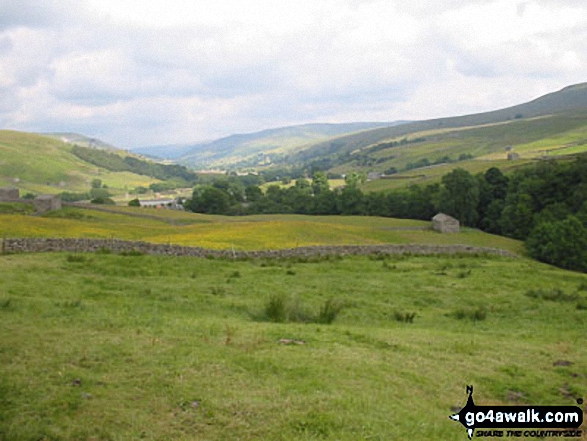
<point>443,223</point>
<point>46,202</point>
<point>9,194</point>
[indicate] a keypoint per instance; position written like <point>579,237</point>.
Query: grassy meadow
<point>240,233</point>
<point>109,347</point>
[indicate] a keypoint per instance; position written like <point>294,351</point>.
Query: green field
<point>40,164</point>
<point>531,139</point>
<point>240,233</point>
<point>107,347</point>
<point>434,173</point>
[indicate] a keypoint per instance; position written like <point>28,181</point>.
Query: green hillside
<point>39,164</point>
<point>569,101</point>
<point>552,125</point>
<point>259,148</point>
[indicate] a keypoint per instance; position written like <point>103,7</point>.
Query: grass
<point>45,165</point>
<point>533,138</point>
<point>115,347</point>
<point>240,233</point>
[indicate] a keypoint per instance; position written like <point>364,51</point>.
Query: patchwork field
<point>240,233</point>
<point>107,347</point>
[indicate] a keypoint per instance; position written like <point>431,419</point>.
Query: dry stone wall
<point>39,245</point>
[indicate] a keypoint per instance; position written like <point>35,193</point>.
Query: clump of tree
<point>114,162</point>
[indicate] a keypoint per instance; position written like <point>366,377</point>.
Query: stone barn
<point>443,223</point>
<point>9,194</point>
<point>46,202</point>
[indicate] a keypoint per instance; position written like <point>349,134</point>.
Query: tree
<point>134,203</point>
<point>460,196</point>
<point>325,203</point>
<point>253,193</point>
<point>561,243</point>
<point>352,201</point>
<point>96,183</point>
<point>354,179</point>
<point>209,200</point>
<point>320,183</point>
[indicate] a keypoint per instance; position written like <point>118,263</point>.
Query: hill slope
<point>236,148</point>
<point>41,164</point>
<point>570,100</point>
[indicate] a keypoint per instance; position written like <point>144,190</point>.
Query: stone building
<point>9,194</point>
<point>443,223</point>
<point>46,202</point>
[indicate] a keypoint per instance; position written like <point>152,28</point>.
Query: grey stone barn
<point>9,194</point>
<point>46,202</point>
<point>443,223</point>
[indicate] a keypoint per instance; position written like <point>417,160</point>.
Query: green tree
<point>209,200</point>
<point>134,203</point>
<point>561,243</point>
<point>460,196</point>
<point>352,201</point>
<point>253,193</point>
<point>320,183</point>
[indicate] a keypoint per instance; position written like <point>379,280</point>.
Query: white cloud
<point>151,72</point>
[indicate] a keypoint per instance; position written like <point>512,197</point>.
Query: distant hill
<point>42,164</point>
<point>553,125</point>
<point>570,101</point>
<point>79,139</point>
<point>256,147</point>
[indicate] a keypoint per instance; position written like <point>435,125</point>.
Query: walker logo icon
<point>519,417</point>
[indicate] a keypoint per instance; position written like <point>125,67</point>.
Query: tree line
<point>114,162</point>
<point>543,204</point>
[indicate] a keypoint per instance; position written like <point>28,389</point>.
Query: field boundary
<point>82,245</point>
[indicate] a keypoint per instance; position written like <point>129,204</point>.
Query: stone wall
<point>9,194</point>
<point>46,203</point>
<point>37,245</point>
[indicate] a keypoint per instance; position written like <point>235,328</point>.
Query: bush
<point>134,203</point>
<point>275,309</point>
<point>329,311</point>
<point>404,317</point>
<point>103,201</point>
<point>476,314</point>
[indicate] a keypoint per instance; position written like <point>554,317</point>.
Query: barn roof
<point>443,217</point>
<point>47,197</point>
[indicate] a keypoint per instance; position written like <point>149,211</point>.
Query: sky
<point>151,72</point>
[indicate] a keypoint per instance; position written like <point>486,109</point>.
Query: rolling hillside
<point>569,101</point>
<point>554,125</point>
<point>253,147</point>
<point>40,164</point>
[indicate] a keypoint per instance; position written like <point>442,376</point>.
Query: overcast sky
<point>144,72</point>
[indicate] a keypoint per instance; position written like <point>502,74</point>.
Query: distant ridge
<point>569,99</point>
<point>79,139</point>
<point>240,146</point>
